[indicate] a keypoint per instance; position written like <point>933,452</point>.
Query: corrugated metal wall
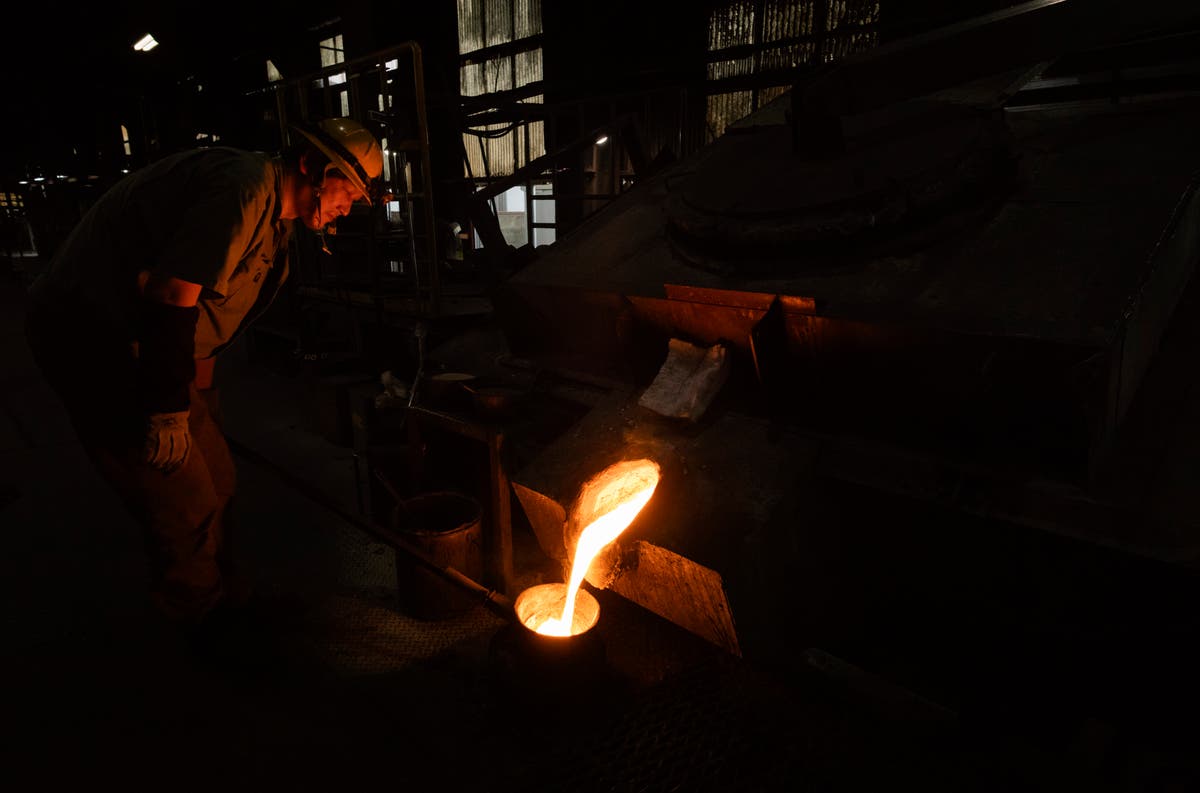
<point>850,27</point>
<point>746,38</point>
<point>499,149</point>
<point>767,35</point>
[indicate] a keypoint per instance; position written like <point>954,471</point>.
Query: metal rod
<point>497,602</point>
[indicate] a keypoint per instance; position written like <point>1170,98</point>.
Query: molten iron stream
<point>599,533</point>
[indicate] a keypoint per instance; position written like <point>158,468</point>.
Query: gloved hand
<point>167,441</point>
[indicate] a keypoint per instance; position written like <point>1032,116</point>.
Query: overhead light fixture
<point>145,43</point>
<point>600,141</point>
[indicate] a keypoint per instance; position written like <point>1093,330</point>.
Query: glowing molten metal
<point>623,489</point>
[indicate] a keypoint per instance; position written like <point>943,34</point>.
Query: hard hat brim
<point>339,161</point>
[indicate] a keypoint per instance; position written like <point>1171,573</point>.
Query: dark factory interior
<point>883,310</point>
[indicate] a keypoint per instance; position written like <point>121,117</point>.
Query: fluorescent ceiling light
<point>145,43</point>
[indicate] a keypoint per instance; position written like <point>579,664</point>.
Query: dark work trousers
<point>183,514</point>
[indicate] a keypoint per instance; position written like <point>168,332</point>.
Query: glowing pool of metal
<point>545,601</point>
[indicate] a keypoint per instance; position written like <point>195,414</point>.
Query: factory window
<point>520,213</point>
<point>332,51</point>
<point>500,69</point>
<point>543,212</point>
<point>511,207</point>
<point>273,75</point>
<point>755,45</point>
<point>125,141</point>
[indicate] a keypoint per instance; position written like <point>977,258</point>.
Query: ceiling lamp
<point>145,43</point>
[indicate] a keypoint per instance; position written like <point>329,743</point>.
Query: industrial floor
<point>337,688</point>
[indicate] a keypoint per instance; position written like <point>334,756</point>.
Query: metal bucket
<point>446,526</point>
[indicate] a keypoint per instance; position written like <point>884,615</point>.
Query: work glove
<point>167,441</point>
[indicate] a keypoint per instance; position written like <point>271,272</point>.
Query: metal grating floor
<point>719,727</point>
<point>672,713</point>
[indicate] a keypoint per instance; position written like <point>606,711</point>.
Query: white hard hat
<point>350,147</point>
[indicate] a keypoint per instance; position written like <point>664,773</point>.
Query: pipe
<point>497,602</point>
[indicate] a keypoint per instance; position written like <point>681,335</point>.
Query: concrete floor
<point>338,687</point>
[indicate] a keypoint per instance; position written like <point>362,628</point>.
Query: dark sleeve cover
<point>166,349</point>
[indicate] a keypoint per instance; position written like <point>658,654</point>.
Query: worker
<point>163,272</point>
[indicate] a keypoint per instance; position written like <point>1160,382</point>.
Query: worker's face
<point>334,199</point>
